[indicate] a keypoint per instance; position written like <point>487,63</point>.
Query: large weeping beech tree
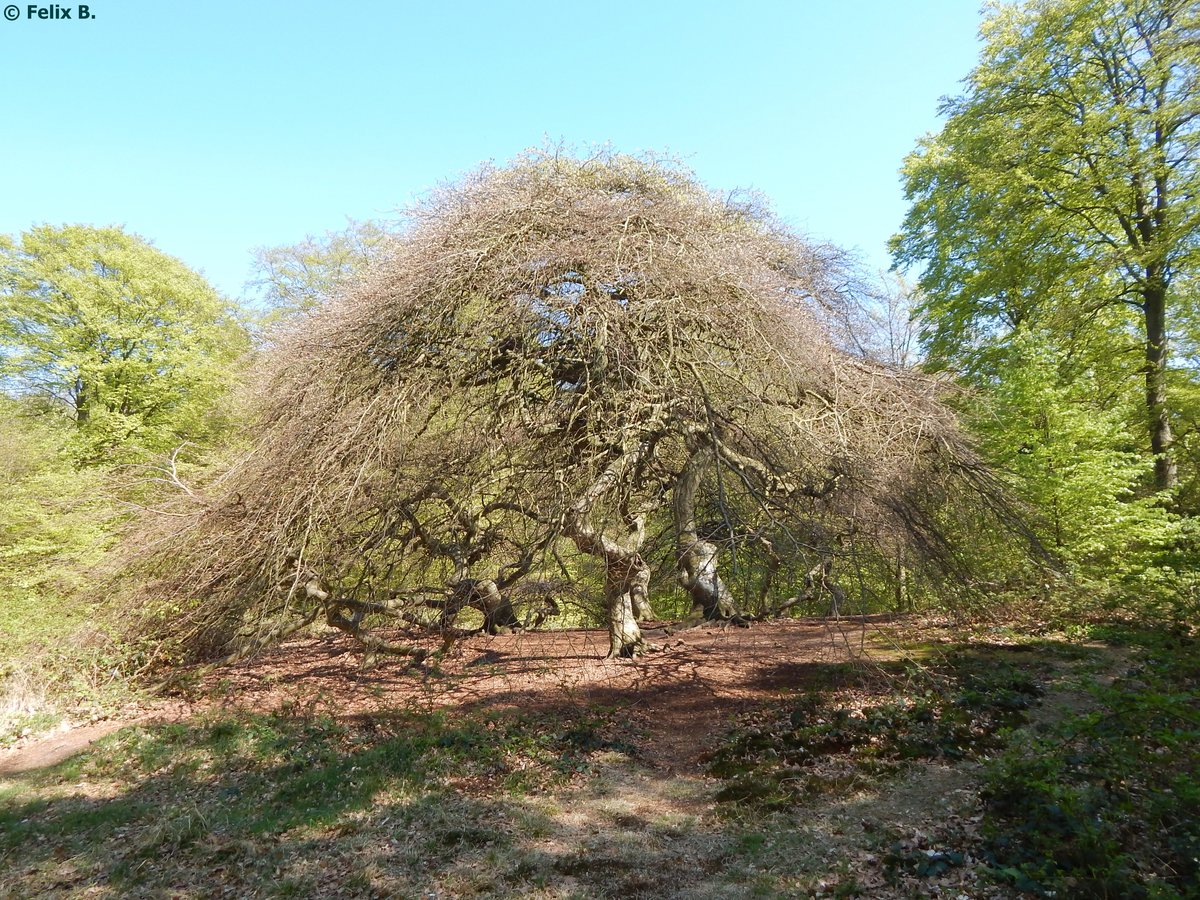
<point>554,363</point>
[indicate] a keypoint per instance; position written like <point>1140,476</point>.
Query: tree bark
<point>697,559</point>
<point>1166,474</point>
<point>625,581</point>
<point>82,403</point>
<point>483,594</point>
<point>903,595</point>
<point>642,610</point>
<point>627,576</point>
<point>711,598</point>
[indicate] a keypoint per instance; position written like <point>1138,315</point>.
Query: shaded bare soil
<point>675,700</point>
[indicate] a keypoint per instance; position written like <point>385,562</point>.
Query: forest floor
<point>526,765</point>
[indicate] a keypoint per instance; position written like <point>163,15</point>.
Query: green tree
<point>1066,185</point>
<point>54,524</point>
<point>1072,460</point>
<point>299,277</point>
<point>133,346</point>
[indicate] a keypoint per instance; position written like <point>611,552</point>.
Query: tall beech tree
<point>124,340</point>
<point>558,357</point>
<point>1066,180</point>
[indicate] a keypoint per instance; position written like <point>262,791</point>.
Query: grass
<point>305,807</point>
<point>54,663</point>
<point>986,767</point>
<point>1093,796</point>
<point>1103,803</point>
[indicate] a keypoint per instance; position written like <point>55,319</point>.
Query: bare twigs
<point>550,354</point>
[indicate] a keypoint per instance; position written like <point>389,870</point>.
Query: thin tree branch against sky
<point>213,128</point>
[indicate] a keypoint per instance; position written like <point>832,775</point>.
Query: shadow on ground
<point>269,805</point>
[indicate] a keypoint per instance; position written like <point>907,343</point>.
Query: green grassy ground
<point>985,770</point>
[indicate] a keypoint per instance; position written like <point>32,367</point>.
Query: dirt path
<point>50,751</point>
<point>44,750</point>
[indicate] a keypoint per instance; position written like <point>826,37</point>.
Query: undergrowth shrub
<point>1104,804</point>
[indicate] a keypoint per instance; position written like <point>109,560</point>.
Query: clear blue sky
<point>215,127</point>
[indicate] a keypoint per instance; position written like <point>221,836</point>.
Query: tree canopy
<point>124,340</point>
<point>300,277</point>
<point>561,361</point>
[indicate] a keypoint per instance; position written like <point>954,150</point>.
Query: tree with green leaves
<point>126,341</point>
<point>299,277</point>
<point>1073,461</point>
<point>55,523</point>
<point>1064,192</point>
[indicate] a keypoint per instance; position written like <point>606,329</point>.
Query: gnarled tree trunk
<point>627,576</point>
<point>485,595</point>
<point>711,599</point>
<point>626,586</point>
<point>698,573</point>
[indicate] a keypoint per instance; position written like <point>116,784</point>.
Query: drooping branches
<point>559,356</point>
